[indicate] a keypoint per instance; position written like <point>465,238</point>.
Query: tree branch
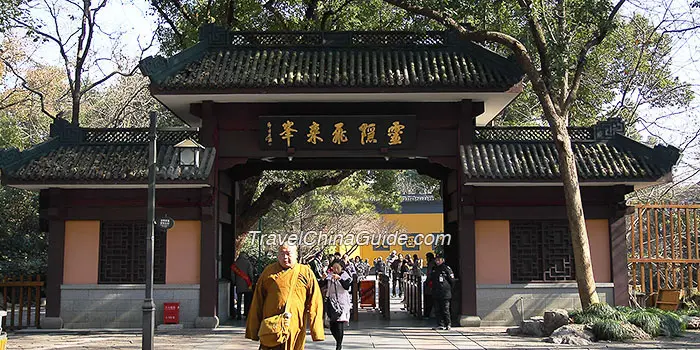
<point>106,77</point>
<point>181,8</point>
<point>275,192</point>
<point>514,45</point>
<point>25,85</point>
<point>603,31</point>
<point>166,17</point>
<point>540,42</point>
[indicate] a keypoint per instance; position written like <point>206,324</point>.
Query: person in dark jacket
<point>442,279</point>
<point>317,266</point>
<point>380,266</point>
<point>242,280</point>
<point>396,275</point>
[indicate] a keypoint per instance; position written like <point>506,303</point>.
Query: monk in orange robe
<point>305,302</point>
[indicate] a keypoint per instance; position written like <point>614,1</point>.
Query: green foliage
<point>605,311</point>
<point>671,323</point>
<point>608,329</point>
<point>23,247</point>
<point>647,320</point>
<point>608,322</point>
<point>184,17</point>
<point>598,312</point>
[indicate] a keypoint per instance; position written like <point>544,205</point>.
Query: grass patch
<point>671,324</point>
<point>596,313</point>
<point>612,323</point>
<point>648,321</point>
<point>611,330</point>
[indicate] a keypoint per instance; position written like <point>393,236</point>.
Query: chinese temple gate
<point>345,100</point>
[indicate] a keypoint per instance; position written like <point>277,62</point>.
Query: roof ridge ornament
<point>607,129</point>
<point>65,131</point>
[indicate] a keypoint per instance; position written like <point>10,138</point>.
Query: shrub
<point>598,312</point>
<point>671,324</point>
<point>625,310</point>
<point>611,330</point>
<point>648,321</point>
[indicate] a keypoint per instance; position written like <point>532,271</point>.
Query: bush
<point>648,321</point>
<point>611,330</point>
<point>596,313</point>
<point>671,324</point>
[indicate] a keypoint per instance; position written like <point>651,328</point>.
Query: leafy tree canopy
<point>182,18</point>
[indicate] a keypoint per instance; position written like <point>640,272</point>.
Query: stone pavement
<point>390,338</point>
<point>403,332</point>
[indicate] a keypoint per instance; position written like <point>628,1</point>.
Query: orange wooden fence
<point>664,247</point>
<point>21,297</point>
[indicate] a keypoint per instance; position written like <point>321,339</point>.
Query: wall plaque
<point>337,132</point>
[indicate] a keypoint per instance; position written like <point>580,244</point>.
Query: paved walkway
<point>403,332</point>
<point>390,338</point>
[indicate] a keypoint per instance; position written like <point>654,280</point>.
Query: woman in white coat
<point>338,283</point>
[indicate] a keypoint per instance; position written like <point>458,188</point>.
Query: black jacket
<point>442,279</point>
<point>380,267</point>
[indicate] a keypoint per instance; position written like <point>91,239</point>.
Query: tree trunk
<point>75,108</point>
<point>574,212</point>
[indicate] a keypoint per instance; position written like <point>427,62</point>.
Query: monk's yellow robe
<point>305,304</point>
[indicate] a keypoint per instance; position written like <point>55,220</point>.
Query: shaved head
<point>287,255</point>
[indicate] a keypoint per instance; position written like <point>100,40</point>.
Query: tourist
<point>380,267</point>
<point>403,272</point>
<point>317,266</point>
<point>242,280</point>
<point>338,285</point>
<point>349,266</point>
<point>427,289</point>
<point>282,283</point>
<point>442,279</point>
<point>360,268</point>
<point>395,275</point>
<point>417,268</point>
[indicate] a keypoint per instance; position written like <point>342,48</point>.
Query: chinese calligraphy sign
<point>338,132</point>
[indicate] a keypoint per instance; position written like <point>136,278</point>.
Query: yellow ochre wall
<point>182,253</point>
<point>411,223</point>
<point>82,252</point>
<point>493,251</point>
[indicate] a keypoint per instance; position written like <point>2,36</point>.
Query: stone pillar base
<point>51,323</point>
<point>206,322</point>
<point>469,321</point>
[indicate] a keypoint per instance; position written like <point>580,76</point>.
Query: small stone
<point>637,333</point>
<point>533,328</point>
<point>554,319</point>
<point>693,322</point>
<point>574,334</point>
<point>513,331</point>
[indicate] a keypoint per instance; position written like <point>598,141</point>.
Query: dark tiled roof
<point>602,154</point>
<point>76,155</point>
<point>110,163</point>
<point>433,60</point>
<point>595,161</point>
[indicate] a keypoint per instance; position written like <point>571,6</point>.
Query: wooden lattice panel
<point>525,134</point>
<point>540,251</point>
<point>123,253</point>
<point>135,135</point>
<point>275,39</point>
<point>399,39</point>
